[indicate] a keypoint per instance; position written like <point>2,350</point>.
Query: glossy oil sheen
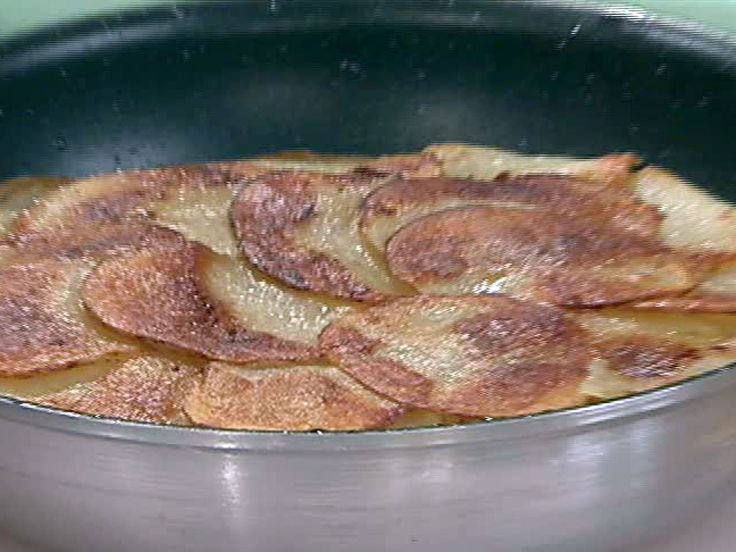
<point>210,82</point>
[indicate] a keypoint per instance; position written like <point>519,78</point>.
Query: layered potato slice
<point>303,230</point>
<point>470,356</point>
<point>295,398</point>
<point>43,326</point>
<point>19,194</point>
<point>535,255</point>
<point>101,213</point>
<point>645,350</point>
<point>139,388</point>
<point>192,299</point>
<point>468,161</point>
<point>401,201</point>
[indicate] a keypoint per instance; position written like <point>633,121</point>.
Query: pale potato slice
<point>190,298</point>
<point>140,389</point>
<point>535,255</point>
<point>401,201</point>
<point>19,194</point>
<point>294,398</point>
<point>471,356</point>
<point>693,218</point>
<point>716,292</point>
<point>415,165</point>
<point>467,161</point>
<point>43,327</point>
<point>646,350</point>
<point>303,230</point>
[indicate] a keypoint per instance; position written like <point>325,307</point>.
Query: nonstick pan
<point>205,82</point>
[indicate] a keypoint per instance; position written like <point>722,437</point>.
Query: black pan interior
<point>218,81</point>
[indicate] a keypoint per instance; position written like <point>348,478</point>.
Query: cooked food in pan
<point>302,292</point>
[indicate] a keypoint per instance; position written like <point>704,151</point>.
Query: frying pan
<point>205,82</point>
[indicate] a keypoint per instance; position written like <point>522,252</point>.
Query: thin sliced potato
<point>19,194</point>
<point>646,350</point>
<point>140,389</point>
<point>693,218</point>
<point>43,327</point>
<point>470,356</point>
<point>294,398</point>
<point>303,230</point>
<point>402,201</point>
<point>535,255</point>
<point>466,161</point>
<point>190,298</point>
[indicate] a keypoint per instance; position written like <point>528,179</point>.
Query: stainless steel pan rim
<point>563,421</point>
<point>719,44</point>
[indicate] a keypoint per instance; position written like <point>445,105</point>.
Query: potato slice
<point>190,298</point>
<point>401,201</point>
<point>140,389</point>
<point>646,350</point>
<point>535,255</point>
<point>303,230</point>
<point>419,417</point>
<point>693,218</point>
<point>43,326</point>
<point>295,398</point>
<point>466,161</point>
<point>93,242</point>
<point>191,200</point>
<point>471,356</point>
<point>19,194</point>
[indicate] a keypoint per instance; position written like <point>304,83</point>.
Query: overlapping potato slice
<point>467,161</point>
<point>303,230</point>
<point>693,218</point>
<point>190,298</point>
<point>194,201</point>
<point>472,356</point>
<point>646,350</point>
<point>535,255</point>
<point>141,389</point>
<point>43,326</point>
<point>294,398</point>
<point>19,194</point>
<point>401,201</point>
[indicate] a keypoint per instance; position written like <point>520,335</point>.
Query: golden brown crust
<point>42,325</point>
<point>19,194</point>
<point>270,214</point>
<point>538,255</point>
<point>473,356</point>
<point>296,398</point>
<point>400,201</point>
<point>163,296</point>
<point>141,389</point>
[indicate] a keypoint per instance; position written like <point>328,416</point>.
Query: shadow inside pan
<point>216,81</point>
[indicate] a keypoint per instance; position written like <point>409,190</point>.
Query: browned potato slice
<point>693,218</point>
<point>192,200</point>
<point>646,350</point>
<point>91,242</point>
<point>466,161</point>
<point>190,298</point>
<point>303,230</point>
<point>19,194</point>
<point>536,255</point>
<point>43,326</point>
<point>401,201</point>
<point>296,398</point>
<point>472,356</point>
<point>141,389</point>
